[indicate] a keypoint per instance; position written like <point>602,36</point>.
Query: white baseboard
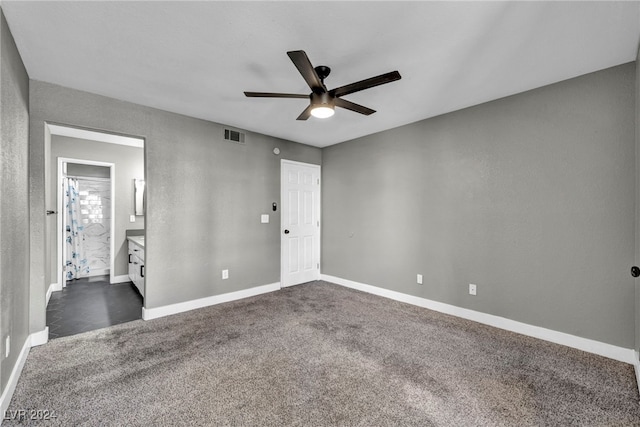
<point>167,310</point>
<point>35,339</point>
<point>39,338</point>
<point>636,367</point>
<point>120,279</point>
<point>54,287</point>
<point>7,394</point>
<point>603,349</point>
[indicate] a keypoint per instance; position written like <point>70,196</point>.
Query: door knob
<point>286,231</point>
<point>635,271</point>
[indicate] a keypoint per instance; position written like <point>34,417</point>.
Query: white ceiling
<point>197,58</point>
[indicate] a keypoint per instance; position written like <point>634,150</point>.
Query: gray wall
<point>14,202</point>
<point>530,197</point>
<point>129,164</point>
<point>204,195</point>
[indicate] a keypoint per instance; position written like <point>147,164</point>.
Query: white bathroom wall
<point>95,216</point>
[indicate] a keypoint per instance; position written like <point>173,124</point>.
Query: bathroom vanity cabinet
<point>136,262</point>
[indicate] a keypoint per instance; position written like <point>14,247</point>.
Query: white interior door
<point>300,223</point>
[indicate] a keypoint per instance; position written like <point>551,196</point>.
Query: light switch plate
<point>264,218</point>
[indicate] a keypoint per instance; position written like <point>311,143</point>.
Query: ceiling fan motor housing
<point>322,99</point>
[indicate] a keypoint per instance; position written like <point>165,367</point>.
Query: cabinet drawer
<point>136,250</point>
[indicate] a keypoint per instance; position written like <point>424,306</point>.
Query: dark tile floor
<point>92,303</point>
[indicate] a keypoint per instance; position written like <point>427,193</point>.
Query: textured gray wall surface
<point>129,165</point>
<point>531,197</point>
<point>14,202</point>
<point>204,195</point>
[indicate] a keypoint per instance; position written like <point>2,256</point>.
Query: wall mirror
<point>138,191</point>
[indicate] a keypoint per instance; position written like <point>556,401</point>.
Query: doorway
<point>300,221</point>
<point>86,219</point>
<point>88,249</point>
<point>123,156</point>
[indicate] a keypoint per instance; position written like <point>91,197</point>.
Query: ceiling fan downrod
<point>323,72</point>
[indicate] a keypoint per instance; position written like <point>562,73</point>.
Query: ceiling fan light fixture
<point>322,105</point>
<point>322,111</point>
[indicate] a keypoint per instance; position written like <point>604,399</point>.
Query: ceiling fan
<point>323,101</point>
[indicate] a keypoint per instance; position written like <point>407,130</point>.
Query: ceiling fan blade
<point>306,113</point>
<point>366,84</point>
<point>303,64</point>
<point>274,95</point>
<point>339,102</point>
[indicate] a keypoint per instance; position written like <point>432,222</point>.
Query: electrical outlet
<point>7,346</point>
<point>132,218</point>
<point>472,289</point>
<point>419,279</point>
<point>225,274</point>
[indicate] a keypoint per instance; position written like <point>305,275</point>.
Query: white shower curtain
<point>76,261</point>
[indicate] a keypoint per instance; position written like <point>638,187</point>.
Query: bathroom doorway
<point>86,215</point>
<point>92,206</point>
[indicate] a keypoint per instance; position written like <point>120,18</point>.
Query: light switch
<point>132,218</point>
<point>264,218</point>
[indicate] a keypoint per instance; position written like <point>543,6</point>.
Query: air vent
<point>234,136</point>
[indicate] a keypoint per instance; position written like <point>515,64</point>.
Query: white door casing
<point>300,223</point>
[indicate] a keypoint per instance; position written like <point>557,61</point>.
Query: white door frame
<point>62,161</point>
<point>283,205</point>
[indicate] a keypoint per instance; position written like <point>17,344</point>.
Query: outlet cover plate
<point>419,279</point>
<point>472,289</point>
<point>225,274</point>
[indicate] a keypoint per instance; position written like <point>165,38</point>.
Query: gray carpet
<point>321,355</point>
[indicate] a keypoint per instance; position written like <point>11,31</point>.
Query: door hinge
<point>318,266</point>
<point>318,181</point>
